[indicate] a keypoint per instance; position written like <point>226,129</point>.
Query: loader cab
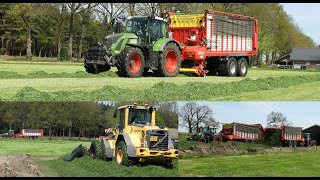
<point>133,115</point>
<point>148,29</point>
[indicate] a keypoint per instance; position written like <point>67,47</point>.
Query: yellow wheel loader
<point>137,139</point>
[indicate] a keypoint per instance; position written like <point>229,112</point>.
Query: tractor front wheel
<point>122,155</point>
<point>132,63</point>
<point>170,61</point>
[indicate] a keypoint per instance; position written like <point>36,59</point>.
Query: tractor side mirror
<point>115,114</point>
<point>150,109</point>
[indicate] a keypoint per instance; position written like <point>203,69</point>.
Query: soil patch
<point>21,165</point>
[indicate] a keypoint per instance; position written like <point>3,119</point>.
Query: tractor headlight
<point>133,41</point>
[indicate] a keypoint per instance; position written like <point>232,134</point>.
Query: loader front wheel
<point>122,155</point>
<point>168,164</point>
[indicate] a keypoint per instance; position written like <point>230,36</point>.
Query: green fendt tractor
<point>144,45</point>
<point>205,134</point>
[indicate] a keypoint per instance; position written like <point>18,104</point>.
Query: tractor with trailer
<point>206,134</point>
<point>24,133</point>
<point>215,43</point>
<point>288,135</point>
<point>240,132</point>
<point>137,139</point>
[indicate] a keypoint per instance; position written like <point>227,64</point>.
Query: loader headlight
<point>133,41</point>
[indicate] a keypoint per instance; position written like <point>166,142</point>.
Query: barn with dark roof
<point>301,58</point>
<point>314,132</point>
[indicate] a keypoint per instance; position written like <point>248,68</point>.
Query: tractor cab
<point>133,116</point>
<point>148,29</point>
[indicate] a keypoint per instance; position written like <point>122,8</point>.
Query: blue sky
<point>301,114</point>
<point>306,15</point>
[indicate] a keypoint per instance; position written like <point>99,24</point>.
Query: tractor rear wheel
<point>132,63</point>
<point>228,68</point>
<point>170,61</point>
<point>242,67</point>
<point>122,155</point>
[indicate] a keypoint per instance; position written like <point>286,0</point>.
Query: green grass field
<point>292,164</point>
<point>66,81</point>
<point>79,167</point>
<point>40,148</point>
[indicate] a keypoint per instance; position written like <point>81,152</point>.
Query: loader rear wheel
<point>170,61</point>
<point>132,64</point>
<point>97,150</point>
<point>228,68</point>
<point>122,155</point>
<point>242,67</point>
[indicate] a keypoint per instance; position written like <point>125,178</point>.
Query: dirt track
<point>21,165</point>
<point>205,149</point>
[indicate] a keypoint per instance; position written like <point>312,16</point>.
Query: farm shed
<point>301,58</point>
<point>315,132</point>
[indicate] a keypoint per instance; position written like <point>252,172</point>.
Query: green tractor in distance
<point>144,45</point>
<point>206,134</point>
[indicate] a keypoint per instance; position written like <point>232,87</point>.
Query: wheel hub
<point>232,67</point>
<point>132,63</point>
<point>243,68</point>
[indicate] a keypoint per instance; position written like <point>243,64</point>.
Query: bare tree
<point>203,113</point>
<point>74,9</point>
<point>194,116</point>
<point>277,118</point>
<point>149,9</point>
<point>109,11</point>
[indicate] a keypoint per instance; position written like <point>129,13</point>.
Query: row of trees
<point>65,30</point>
<point>71,119</point>
<point>194,116</point>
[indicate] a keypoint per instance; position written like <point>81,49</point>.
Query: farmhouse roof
<point>305,54</point>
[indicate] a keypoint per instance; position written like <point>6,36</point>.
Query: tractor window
<point>212,130</point>
<point>121,119</point>
<point>137,26</point>
<point>139,116</point>
<point>156,30</point>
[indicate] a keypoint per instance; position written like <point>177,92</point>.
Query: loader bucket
<point>77,152</point>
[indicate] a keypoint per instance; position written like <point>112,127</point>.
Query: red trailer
<point>215,42</point>
<point>290,136</point>
<point>30,133</point>
<point>240,132</point>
